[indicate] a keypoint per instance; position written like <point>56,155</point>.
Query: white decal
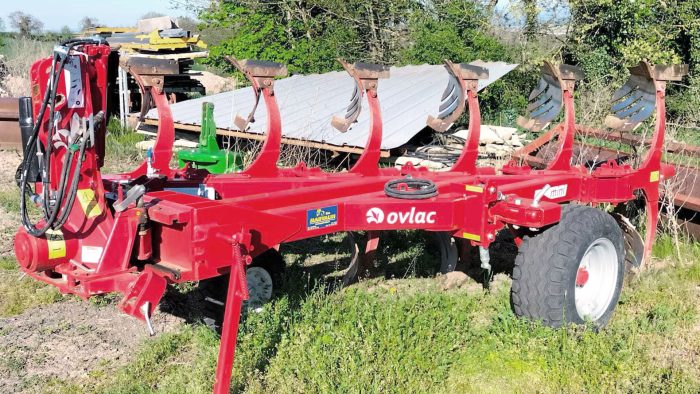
<point>91,254</point>
<point>74,83</point>
<point>551,192</point>
<point>376,215</point>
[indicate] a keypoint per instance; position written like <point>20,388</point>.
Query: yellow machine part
<point>153,42</point>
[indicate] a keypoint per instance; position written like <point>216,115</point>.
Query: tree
<point>309,35</point>
<point>65,33</point>
<point>187,23</point>
<point>2,25</point>
<point>608,35</point>
<point>88,23</point>
<point>25,24</point>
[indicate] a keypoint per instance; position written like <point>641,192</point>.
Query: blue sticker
<point>321,217</point>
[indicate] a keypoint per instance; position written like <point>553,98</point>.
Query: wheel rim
<point>259,286</point>
<point>596,279</point>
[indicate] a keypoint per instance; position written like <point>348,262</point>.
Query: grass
<point>20,293</point>
<point>411,336</point>
<point>121,153</point>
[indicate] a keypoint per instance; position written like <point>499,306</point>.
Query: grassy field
<point>412,336</point>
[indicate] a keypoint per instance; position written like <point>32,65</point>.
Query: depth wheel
<point>572,272</point>
<point>263,276</point>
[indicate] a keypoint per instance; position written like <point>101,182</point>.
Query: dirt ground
<point>66,339</point>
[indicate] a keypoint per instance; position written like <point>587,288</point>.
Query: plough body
<point>136,233</point>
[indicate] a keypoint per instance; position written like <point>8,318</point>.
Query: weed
<point>20,293</point>
<point>408,336</point>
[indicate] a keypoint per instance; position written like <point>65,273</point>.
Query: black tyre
<point>572,272</point>
<point>264,276</point>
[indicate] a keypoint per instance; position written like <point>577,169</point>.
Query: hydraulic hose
<point>411,189</point>
<point>51,213</point>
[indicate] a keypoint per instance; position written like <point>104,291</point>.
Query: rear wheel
<point>572,272</point>
<point>263,276</point>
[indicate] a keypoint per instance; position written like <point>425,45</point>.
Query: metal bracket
<point>366,76</point>
<point>151,72</point>
<point>463,78</point>
<point>545,100</point>
<point>261,75</point>
<point>635,101</point>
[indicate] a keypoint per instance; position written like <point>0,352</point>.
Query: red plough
<point>138,232</point>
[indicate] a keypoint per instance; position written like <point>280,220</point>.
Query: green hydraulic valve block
<point>208,155</point>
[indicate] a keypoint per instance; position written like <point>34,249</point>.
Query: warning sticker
<point>74,83</point>
<point>56,244</point>
<point>654,176</point>
<point>91,254</point>
<point>89,203</point>
<point>321,217</point>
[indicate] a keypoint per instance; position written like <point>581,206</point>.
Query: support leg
<point>361,260</point>
<point>237,293</point>
<point>449,253</point>
<point>652,210</point>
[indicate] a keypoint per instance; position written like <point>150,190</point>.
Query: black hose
<point>51,214</point>
<point>73,190</point>
<point>411,189</point>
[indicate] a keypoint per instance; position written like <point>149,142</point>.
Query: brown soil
<point>68,340</point>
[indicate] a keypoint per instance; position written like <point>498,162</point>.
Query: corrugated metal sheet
<point>308,102</point>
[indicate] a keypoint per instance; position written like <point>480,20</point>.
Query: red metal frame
<point>170,236</point>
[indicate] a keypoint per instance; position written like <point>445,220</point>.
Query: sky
<point>58,13</point>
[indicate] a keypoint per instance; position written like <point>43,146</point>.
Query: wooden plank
<point>261,137</point>
<point>10,137</point>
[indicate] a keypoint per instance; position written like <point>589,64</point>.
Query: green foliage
<point>264,31</point>
<point>309,36</point>
<point>121,150</point>
<point>19,293</point>
<point>608,34</point>
<point>453,29</point>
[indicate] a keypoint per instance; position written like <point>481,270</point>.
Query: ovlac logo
<point>376,215</point>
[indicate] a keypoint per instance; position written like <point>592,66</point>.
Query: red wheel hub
<point>582,277</point>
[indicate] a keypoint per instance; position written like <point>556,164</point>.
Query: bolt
<point>490,237</point>
<point>518,201</point>
<point>492,190</point>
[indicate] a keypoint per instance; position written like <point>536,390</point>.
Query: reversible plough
<point>136,233</point>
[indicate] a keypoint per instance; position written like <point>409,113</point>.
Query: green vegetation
<point>20,293</point>
<point>410,335</point>
<point>121,151</point>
